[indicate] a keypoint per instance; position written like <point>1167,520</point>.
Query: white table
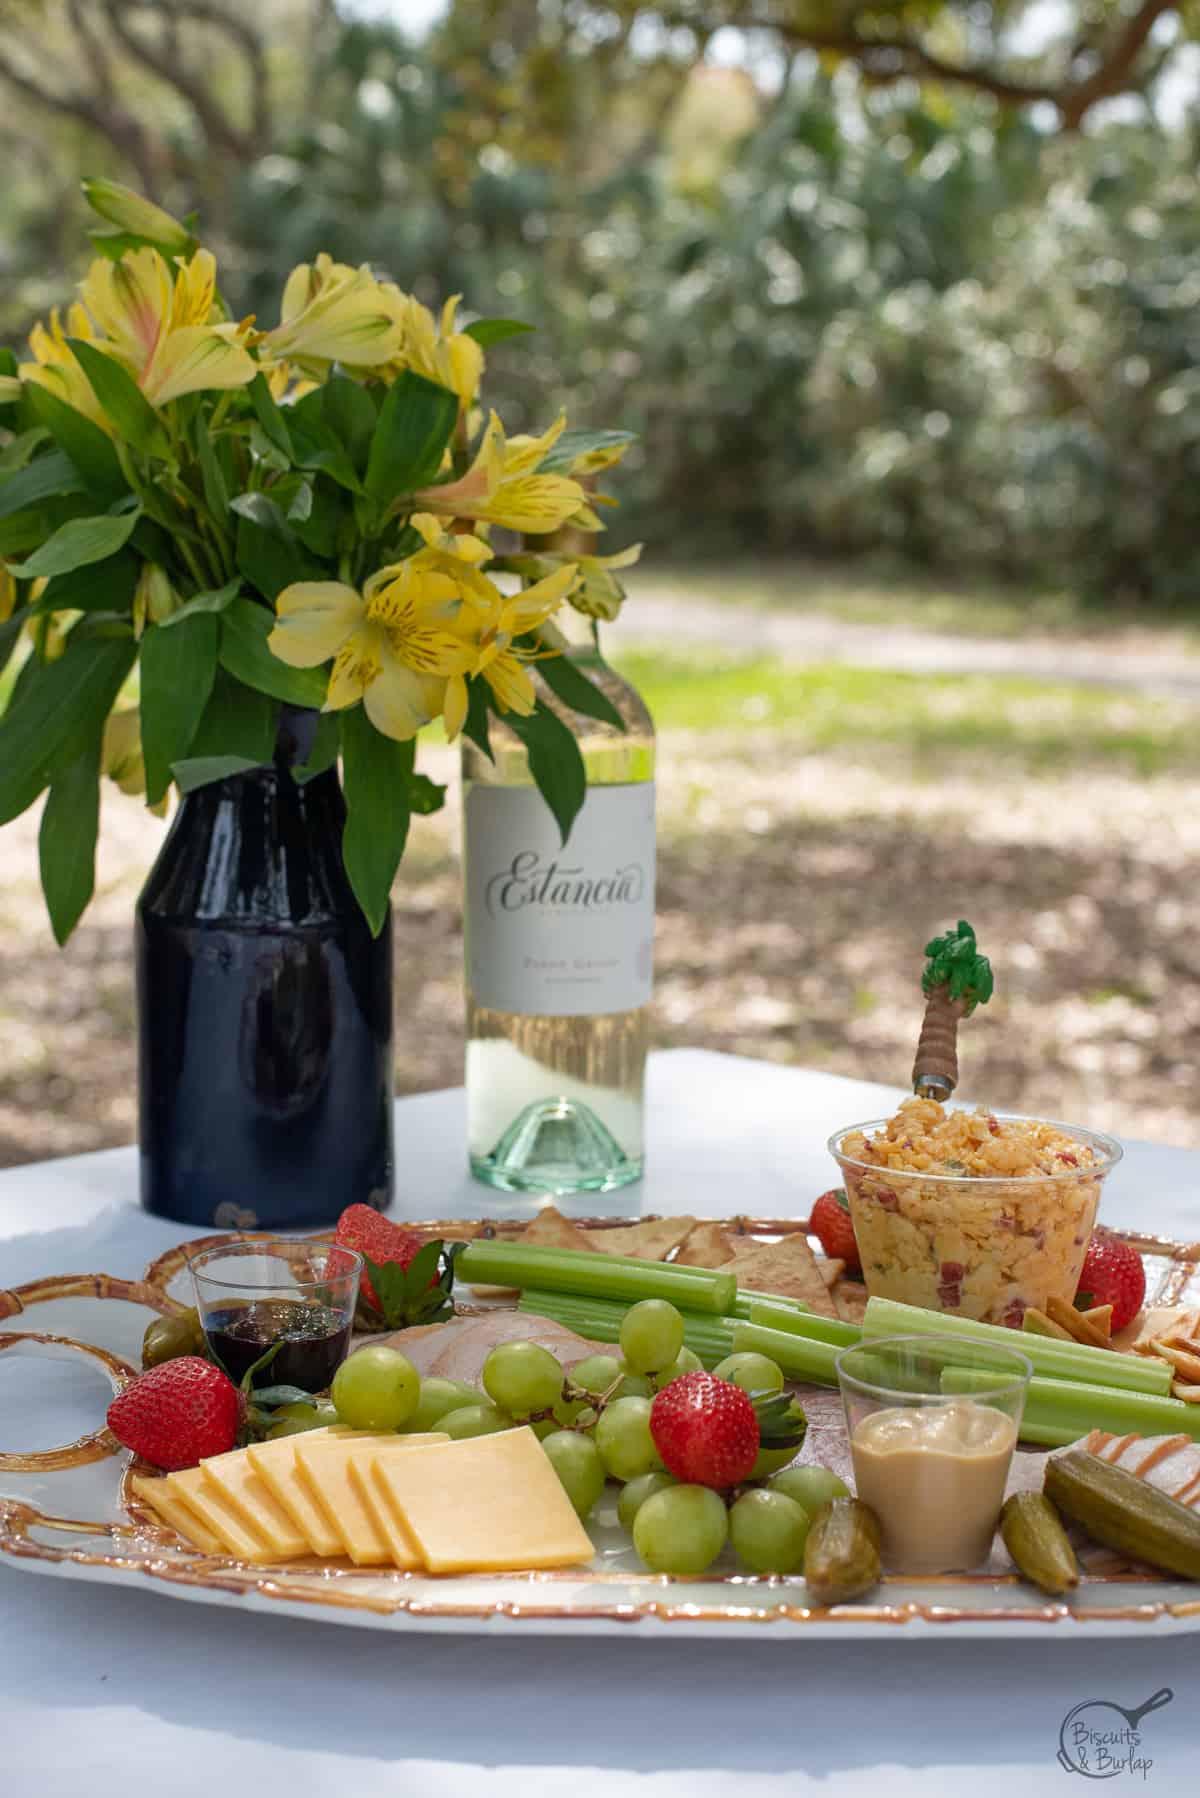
<point>95,1684</point>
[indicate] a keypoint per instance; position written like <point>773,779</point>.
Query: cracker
<point>1189,1394</point>
<point>850,1297</point>
<point>1074,1322</point>
<point>706,1245</point>
<point>787,1268</point>
<point>831,1270</point>
<point>1101,1316</point>
<point>651,1240</point>
<point>554,1231</point>
<point>1185,1361</point>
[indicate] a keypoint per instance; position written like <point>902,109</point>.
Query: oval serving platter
<point>68,1510</point>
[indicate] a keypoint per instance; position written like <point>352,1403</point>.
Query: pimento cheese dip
<point>969,1213</point>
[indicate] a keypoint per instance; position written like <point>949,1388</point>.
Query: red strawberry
<point>177,1414</point>
<point>1113,1274</point>
<point>379,1240</point>
<point>706,1430</point>
<point>830,1221</point>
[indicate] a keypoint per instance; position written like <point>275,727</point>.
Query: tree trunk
<point>935,1070</point>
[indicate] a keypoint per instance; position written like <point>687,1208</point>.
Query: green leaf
<point>319,449</point>
<point>8,362</point>
<point>475,725</point>
<point>10,632</point>
<point>56,712</point>
<point>107,586</point>
<point>77,544</point>
<point>86,444</point>
<point>67,839</point>
<point>324,753</point>
<point>270,416</point>
<point>349,412</point>
<point>236,733</point>
<point>216,600</point>
<point>122,400</point>
<point>177,673</point>
<point>487,331</point>
<point>572,686</point>
<point>216,493</point>
<point>41,479</point>
<point>416,422</point>
<point>554,761</point>
<point>269,1398</point>
<point>268,553</point>
<point>573,444</point>
<point>21,448</point>
<point>375,776</point>
<point>425,796</point>
<point>245,628</point>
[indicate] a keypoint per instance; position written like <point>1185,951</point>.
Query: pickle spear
<point>841,1555</point>
<point>1124,1512</point>
<point>1035,1538</point>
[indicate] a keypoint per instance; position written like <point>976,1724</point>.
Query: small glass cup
<point>982,1246</point>
<point>299,1295</point>
<point>933,1423</point>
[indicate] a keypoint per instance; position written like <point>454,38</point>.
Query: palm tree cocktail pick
<point>956,979</point>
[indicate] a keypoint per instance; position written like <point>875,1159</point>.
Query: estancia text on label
<point>527,880</point>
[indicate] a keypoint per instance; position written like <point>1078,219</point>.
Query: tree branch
<point>113,122</point>
<point>1115,73</point>
<point>245,37</point>
<point>217,126</point>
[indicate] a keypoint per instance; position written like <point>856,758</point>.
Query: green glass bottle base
<point>559,1146</point>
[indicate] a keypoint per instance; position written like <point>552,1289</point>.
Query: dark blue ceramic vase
<point>264,1009</point>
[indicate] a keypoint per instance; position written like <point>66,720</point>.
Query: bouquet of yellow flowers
<point>202,520</point>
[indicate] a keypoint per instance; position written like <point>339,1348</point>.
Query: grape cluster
<point>594,1424</point>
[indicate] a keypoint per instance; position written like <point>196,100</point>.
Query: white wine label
<point>554,930</point>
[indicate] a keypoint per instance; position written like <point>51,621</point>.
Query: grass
<point>1042,725</point>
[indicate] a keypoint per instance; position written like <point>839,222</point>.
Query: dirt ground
<point>796,891</point>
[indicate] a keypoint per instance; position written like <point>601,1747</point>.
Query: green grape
<point>568,1411</point>
<point>768,1531</point>
<point>686,1361</point>
<point>438,1398</point>
<point>522,1377</point>
<point>543,1427</point>
<point>681,1530</point>
<point>651,1335</point>
<point>633,1385</point>
<point>635,1493</point>
<point>296,1418</point>
<point>596,1373</point>
<point>474,1420</point>
<point>576,1461</point>
<point>624,1440</point>
<point>753,1373</point>
<point>376,1389</point>
<point>811,1487</point>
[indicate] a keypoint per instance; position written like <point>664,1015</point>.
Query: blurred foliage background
<point>919,278</point>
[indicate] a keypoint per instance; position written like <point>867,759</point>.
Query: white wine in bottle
<point>559,954</point>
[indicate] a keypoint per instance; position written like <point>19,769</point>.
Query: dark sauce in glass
<point>314,1340</point>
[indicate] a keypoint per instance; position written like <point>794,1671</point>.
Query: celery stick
<point>594,1275</point>
<point>600,1321</point>
<point>1051,1359</point>
<point>802,1323</point>
<point>800,1357</point>
<point>744,1300</point>
<point>1060,1411</point>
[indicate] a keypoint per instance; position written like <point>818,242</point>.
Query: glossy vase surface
<point>264,1009</point>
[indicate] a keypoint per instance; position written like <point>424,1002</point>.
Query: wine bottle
<point>559,952</point>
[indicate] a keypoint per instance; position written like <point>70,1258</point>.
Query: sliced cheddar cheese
<point>237,1536</point>
<point>235,1477</point>
<point>275,1462</point>
<point>383,1514</point>
<point>176,1513</point>
<point>324,1467</point>
<point>490,1504</point>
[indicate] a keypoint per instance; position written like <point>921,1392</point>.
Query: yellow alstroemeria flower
<point>502,666</point>
<point>331,312</point>
<point>55,368</point>
<point>121,757</point>
<point>598,595</point>
<point>496,492</point>
<point>392,644</point>
<point>160,323</point>
<point>433,348</point>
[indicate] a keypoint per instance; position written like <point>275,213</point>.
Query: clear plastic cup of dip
<point>933,1423</point>
<point>979,1214</point>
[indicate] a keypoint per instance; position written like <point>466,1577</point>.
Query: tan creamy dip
<point>934,1475</point>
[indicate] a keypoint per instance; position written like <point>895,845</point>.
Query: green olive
<point>169,1337</point>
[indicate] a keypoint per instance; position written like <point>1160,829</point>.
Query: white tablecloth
<point>97,1685</point>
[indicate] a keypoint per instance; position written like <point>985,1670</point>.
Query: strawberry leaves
<point>781,1421</point>
<point>420,1293</point>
